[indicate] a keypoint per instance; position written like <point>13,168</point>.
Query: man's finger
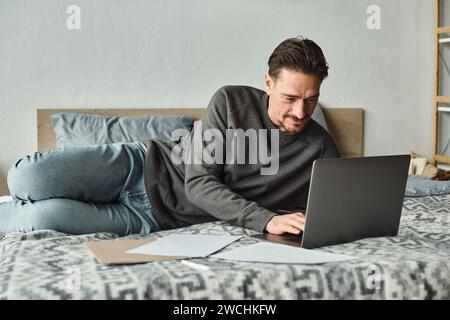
<point>291,229</point>
<point>296,224</point>
<point>301,214</point>
<point>297,218</point>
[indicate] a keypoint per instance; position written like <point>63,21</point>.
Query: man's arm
<point>205,189</point>
<point>204,184</point>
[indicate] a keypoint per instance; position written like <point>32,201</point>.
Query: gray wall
<point>176,53</point>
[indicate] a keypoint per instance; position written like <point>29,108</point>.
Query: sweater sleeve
<point>204,184</point>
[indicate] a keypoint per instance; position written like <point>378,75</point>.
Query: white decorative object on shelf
<point>443,166</point>
<point>444,109</point>
<point>444,40</point>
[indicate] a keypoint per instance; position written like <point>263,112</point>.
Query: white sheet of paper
<point>5,198</point>
<point>279,253</point>
<point>185,245</point>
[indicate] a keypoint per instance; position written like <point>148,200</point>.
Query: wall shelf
<point>442,35</point>
<point>442,30</point>
<point>442,99</point>
<point>443,159</point>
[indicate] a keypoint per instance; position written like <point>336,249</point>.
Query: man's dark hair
<point>298,54</point>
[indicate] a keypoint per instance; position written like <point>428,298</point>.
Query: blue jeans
<point>80,190</point>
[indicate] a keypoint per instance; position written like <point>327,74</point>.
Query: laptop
<point>351,199</point>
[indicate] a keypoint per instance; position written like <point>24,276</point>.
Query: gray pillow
<point>75,129</point>
<point>421,186</point>
<point>319,117</point>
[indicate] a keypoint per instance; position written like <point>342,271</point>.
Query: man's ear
<point>268,84</point>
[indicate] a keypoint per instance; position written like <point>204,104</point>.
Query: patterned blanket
<point>413,265</point>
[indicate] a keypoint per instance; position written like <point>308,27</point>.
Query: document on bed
<point>186,245</point>
<point>279,253</point>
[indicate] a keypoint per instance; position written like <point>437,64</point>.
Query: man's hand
<point>291,223</point>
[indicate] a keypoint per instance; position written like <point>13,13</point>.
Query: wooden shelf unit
<point>438,99</point>
<point>442,99</point>
<point>441,30</point>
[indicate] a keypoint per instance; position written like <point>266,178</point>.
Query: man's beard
<point>287,131</point>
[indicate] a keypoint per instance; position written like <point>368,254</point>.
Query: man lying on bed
<point>128,188</point>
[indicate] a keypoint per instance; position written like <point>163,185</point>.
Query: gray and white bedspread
<point>413,265</point>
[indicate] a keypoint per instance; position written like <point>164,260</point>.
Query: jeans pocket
<point>139,204</point>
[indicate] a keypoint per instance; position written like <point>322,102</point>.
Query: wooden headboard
<point>346,124</point>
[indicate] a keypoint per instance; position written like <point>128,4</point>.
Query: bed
<point>413,265</point>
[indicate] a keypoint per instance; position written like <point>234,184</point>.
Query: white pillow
<point>319,117</point>
<point>5,198</point>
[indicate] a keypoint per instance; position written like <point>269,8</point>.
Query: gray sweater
<point>184,193</point>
